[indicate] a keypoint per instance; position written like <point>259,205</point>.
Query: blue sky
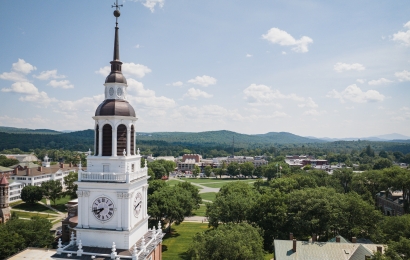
<point>312,68</point>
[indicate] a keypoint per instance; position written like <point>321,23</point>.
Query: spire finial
<point>116,12</point>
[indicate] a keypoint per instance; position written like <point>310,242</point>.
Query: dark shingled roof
<point>115,107</point>
<point>115,77</point>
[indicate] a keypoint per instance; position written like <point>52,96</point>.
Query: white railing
<point>112,176</point>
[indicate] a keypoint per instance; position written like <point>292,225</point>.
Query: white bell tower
<point>112,193</point>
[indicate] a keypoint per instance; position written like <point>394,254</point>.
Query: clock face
<point>111,91</point>
<point>103,208</point>
<point>137,204</point>
<point>119,92</point>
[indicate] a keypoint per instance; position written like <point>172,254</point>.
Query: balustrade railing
<point>111,176</point>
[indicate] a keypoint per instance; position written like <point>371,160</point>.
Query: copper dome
<point>115,107</point>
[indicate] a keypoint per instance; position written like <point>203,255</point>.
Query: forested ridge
<point>209,144</point>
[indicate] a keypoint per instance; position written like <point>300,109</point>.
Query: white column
<point>119,210</point>
<point>114,142</point>
<point>126,217</point>
<point>100,139</point>
<point>80,210</point>
<point>128,142</point>
<point>145,192</point>
<point>86,208</point>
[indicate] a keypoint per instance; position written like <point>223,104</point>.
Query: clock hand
<point>137,204</point>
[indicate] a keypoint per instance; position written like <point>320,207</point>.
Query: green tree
<point>233,204</point>
<point>196,170</point>
<point>344,176</point>
<point>246,169</point>
<point>158,168</point>
<point>208,170</point>
<point>31,194</point>
<point>232,169</point>
<point>382,163</point>
<point>269,213</point>
<point>52,190</point>
<point>194,193</point>
<point>228,242</point>
<point>70,186</point>
<point>5,162</point>
<point>171,203</point>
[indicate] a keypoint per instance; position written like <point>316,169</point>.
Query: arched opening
<point>97,140</point>
<point>121,139</point>
<point>107,140</point>
<point>132,140</point>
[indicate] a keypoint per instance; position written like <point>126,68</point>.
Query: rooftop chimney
<point>71,164</point>
<point>294,245</point>
<point>380,249</point>
<point>28,171</point>
<point>354,240</point>
<point>314,237</point>
<point>61,165</point>
<point>16,170</point>
<point>337,239</point>
<point>290,236</point>
<point>40,169</point>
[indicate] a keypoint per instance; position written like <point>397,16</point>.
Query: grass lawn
<point>200,211</point>
<point>31,214</point>
<point>220,184</point>
<point>173,182</point>
<point>33,207</point>
<point>60,203</point>
<point>208,196</point>
<point>177,242</point>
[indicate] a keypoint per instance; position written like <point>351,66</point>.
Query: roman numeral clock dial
<point>103,208</point>
<point>137,204</point>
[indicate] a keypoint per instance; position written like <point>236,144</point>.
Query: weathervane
<point>116,11</point>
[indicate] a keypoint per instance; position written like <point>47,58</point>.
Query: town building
<point>110,219</point>
<point>4,200</point>
<point>391,203</point>
<point>335,249</point>
<point>6,171</point>
<point>22,157</point>
<point>303,160</point>
<point>188,162</point>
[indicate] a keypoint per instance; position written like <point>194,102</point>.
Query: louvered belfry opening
<point>121,139</point>
<point>132,140</point>
<point>97,140</point>
<point>107,140</point>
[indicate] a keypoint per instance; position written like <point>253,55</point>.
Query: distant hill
<point>14,130</point>
<point>224,137</point>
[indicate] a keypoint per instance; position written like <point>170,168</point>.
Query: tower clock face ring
<point>137,204</point>
<point>111,91</point>
<point>119,92</point>
<point>103,208</point>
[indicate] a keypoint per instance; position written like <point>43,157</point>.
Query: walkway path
<point>203,189</point>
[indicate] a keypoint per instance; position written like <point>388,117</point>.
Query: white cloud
<point>19,69</point>
<point>361,80</point>
<point>275,35</point>
<point>131,68</point>
<point>249,55</point>
<point>40,98</point>
<point>203,81</point>
<point>340,67</point>
<point>403,75</point>
<point>64,84</point>
<point>85,104</point>
<point>354,94</point>
<point>284,52</point>
<point>137,46</point>
<point>151,4</point>
<point>13,76</point>
<point>23,67</point>
<point>46,75</point>
<point>177,84</point>
<point>308,103</point>
<point>196,93</point>
<point>264,95</point>
<point>379,82</point>
<point>314,112</point>
<point>22,88</point>
<point>146,97</point>
<point>403,36</point>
